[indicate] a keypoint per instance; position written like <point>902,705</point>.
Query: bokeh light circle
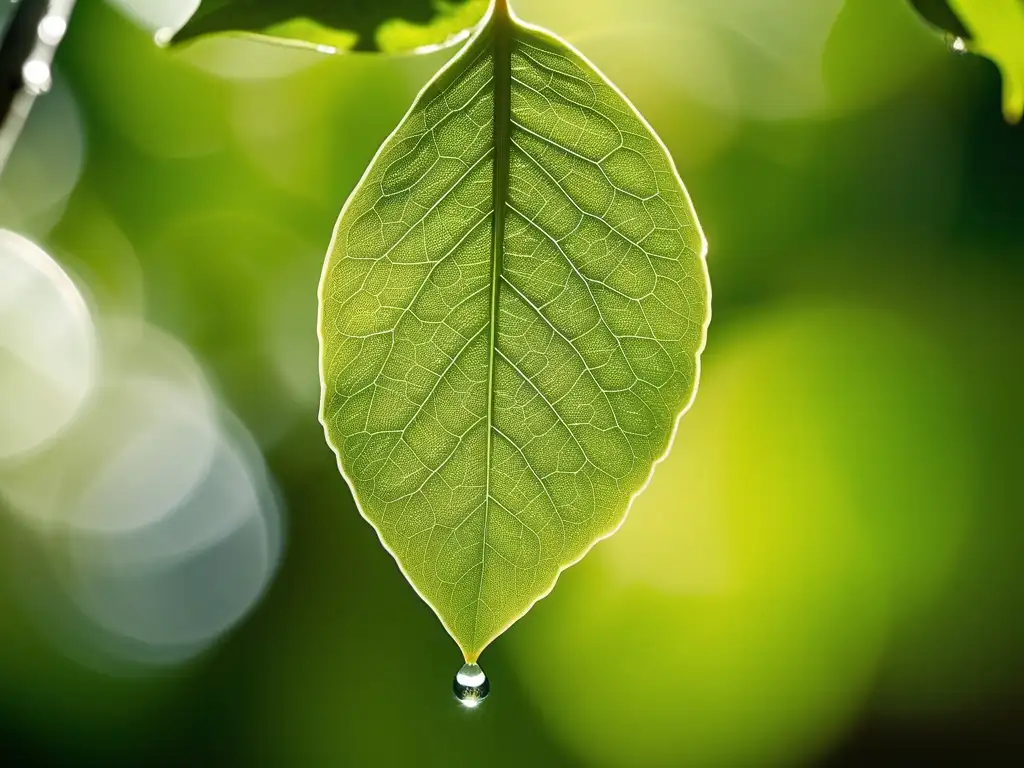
<point>46,164</point>
<point>142,444</point>
<point>163,593</point>
<point>47,347</point>
<point>761,573</point>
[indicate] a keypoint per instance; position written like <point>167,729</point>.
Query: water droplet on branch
<point>471,685</point>
<point>956,44</point>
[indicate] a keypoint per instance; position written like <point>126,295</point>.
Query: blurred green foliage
<point>997,31</point>
<point>838,583</point>
<point>992,28</point>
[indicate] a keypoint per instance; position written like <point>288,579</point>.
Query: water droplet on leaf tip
<point>956,44</point>
<point>471,685</point>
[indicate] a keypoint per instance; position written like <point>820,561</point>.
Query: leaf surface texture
<point>512,313</point>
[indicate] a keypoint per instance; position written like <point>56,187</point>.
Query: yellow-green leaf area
<point>997,31</point>
<point>512,314</point>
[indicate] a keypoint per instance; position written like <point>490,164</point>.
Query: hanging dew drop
<point>471,685</point>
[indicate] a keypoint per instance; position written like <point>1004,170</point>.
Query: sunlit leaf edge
<point>471,655</point>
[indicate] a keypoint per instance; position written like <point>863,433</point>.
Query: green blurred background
<point>828,570</point>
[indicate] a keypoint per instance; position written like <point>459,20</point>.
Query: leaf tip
<point>1013,98</point>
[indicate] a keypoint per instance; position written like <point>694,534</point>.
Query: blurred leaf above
<point>940,15</point>
<point>387,26</point>
<point>991,28</point>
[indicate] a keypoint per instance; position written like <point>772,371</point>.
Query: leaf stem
<point>23,41</point>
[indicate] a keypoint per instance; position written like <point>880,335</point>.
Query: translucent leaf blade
<point>512,314</point>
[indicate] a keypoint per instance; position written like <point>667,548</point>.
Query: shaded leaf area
<point>990,28</point>
<point>513,310</point>
<point>940,15</point>
<point>389,26</point>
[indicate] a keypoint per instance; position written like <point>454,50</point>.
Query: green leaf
<point>992,28</point>
<point>390,26</point>
<point>512,314</point>
<point>997,31</point>
<point>940,15</point>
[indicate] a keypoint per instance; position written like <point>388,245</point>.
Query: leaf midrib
<point>501,25</point>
